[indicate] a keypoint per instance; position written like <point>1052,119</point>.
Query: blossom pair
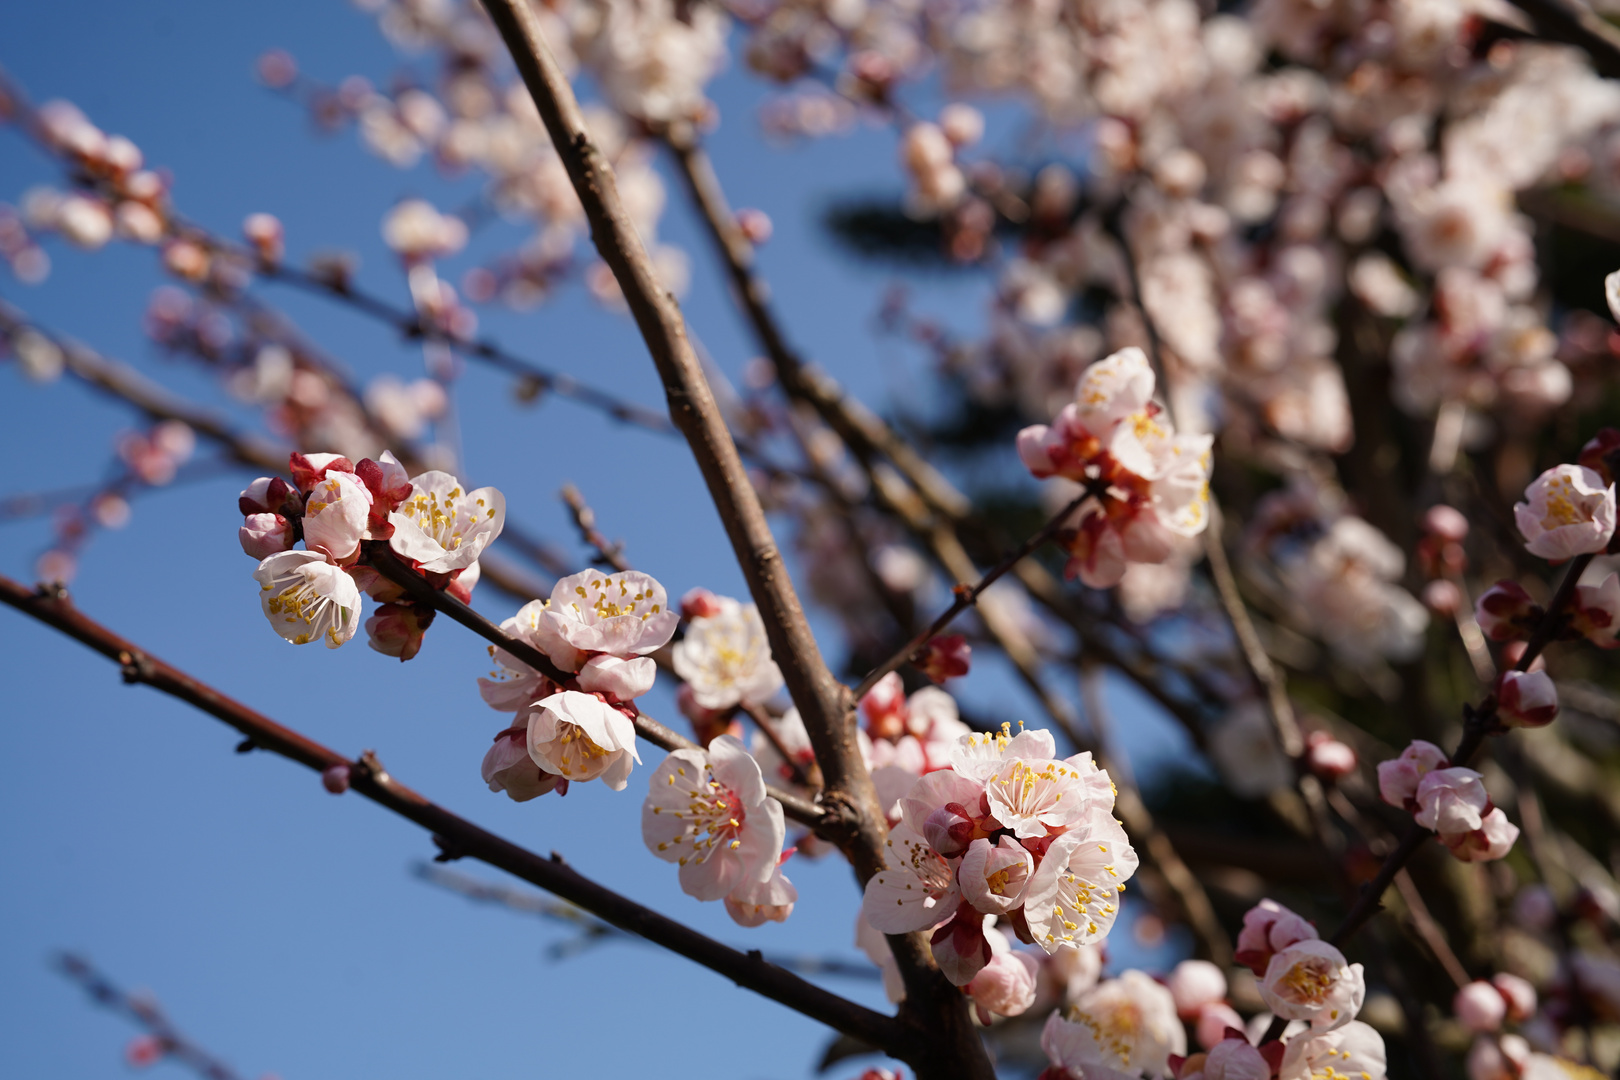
<point>598,629</point>
<point>1450,800</point>
<point>1157,482</point>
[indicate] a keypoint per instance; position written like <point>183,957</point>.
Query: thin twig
<point>459,838</point>
<point>585,521</point>
<point>1429,930</point>
<point>967,596</point>
<point>145,1011</point>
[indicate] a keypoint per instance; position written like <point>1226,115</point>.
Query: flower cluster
<point>1155,482</point>
<point>335,506</point>
<point>1450,800</point>
<point>597,629</point>
<point>1005,831</point>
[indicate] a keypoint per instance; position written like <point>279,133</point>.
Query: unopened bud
<point>1505,611</point>
<point>1329,758</point>
<point>699,603</point>
<point>1442,597</point>
<point>336,779</point>
<point>264,232</point>
<point>945,657</point>
<point>1527,699</point>
<point>1595,454</point>
<point>1445,522</point>
<point>1479,1007</point>
<point>143,1050</point>
<point>949,830</point>
<point>1519,995</point>
<point>755,224</point>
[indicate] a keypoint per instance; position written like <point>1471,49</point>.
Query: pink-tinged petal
<point>623,680</point>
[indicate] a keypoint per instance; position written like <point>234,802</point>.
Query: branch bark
<point>824,704</point>
<point>459,838</point>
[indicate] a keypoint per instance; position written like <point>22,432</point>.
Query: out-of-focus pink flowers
<point>1480,1007</point>
<point>1568,511</point>
<point>725,657</point>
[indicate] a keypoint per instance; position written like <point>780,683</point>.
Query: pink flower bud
<point>962,124</point>
<point>1329,758</point>
<point>1492,840</point>
<point>884,707</point>
<point>144,1050</point>
<point>960,948</point>
<point>277,69</point>
<point>1195,984</point>
<point>1505,611</point>
<point>1006,985</point>
<point>755,224</point>
<point>262,535</point>
<point>700,603</point>
<point>336,779</point>
<point>310,469</point>
<point>270,495</point>
<point>186,260</point>
<point>1519,995</point>
<point>1445,522</point>
<point>945,657</point>
<point>1527,699</point>
<point>618,678</point>
<point>1479,1007</point>
<point>1268,927</point>
<point>508,767</point>
<point>1595,453</point>
<point>1596,614</point>
<point>1398,778</point>
<point>1442,597</point>
<point>265,233</point>
<point>949,830</point>
<point>398,629</point>
<point>1214,1021</point>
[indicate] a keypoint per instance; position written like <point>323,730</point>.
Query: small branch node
<point>247,746</point>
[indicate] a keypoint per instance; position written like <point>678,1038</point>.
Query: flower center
<point>444,524</point>
<point>1308,981</point>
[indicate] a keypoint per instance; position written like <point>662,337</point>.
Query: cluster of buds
<point>335,507</point>
<point>1156,483</point>
<point>121,198</point>
<point>928,153</point>
<point>597,630</point>
<point>1450,800</point>
<point>1007,832</point>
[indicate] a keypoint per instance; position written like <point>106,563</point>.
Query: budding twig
<point>467,840</point>
<point>165,1040</point>
<point>585,521</point>
<point>967,596</point>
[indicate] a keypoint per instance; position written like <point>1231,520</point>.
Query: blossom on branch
<point>580,737</point>
<point>725,657</point>
<point>442,527</point>
<point>1310,980</point>
<point>308,599</point>
<point>1568,511</point>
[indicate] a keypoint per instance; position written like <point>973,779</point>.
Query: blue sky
<point>279,925</point>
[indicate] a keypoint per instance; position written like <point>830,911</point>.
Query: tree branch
<point>459,838</point>
<point>824,704</point>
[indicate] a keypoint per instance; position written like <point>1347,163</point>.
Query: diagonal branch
<point>967,596</point>
<point>824,704</point>
<point>459,838</point>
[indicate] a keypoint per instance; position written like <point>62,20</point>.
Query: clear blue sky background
<point>277,924</point>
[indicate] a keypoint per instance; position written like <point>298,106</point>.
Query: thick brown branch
<point>824,704</point>
<point>459,838</point>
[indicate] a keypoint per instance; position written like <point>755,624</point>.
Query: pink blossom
<point>945,657</point>
<point>1451,801</point>
<point>441,528</point>
<point>1354,1050</point>
<point>755,903</point>
<point>1310,980</point>
<point>617,678</point>
<point>1073,898</point>
<point>707,810</point>
<point>884,707</point>
<point>699,603</point>
<point>1005,986</point>
<point>1398,778</point>
<point>508,767</point>
<point>310,469</point>
<point>1446,522</point>
<point>265,233</point>
<point>579,737</point>
<point>513,685</point>
<point>725,657</point>
<point>308,599</point>
<point>624,614</point>
<point>993,877</point>
<point>1195,984</point>
<point>1231,1059</point>
<point>916,890</point>
<point>1526,699</point>
<point>1568,511</point>
<point>1268,928</point>
<point>389,485</point>
<point>1479,1006</point>
<point>1128,1023</point>
<point>335,515</point>
<point>263,535</point>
